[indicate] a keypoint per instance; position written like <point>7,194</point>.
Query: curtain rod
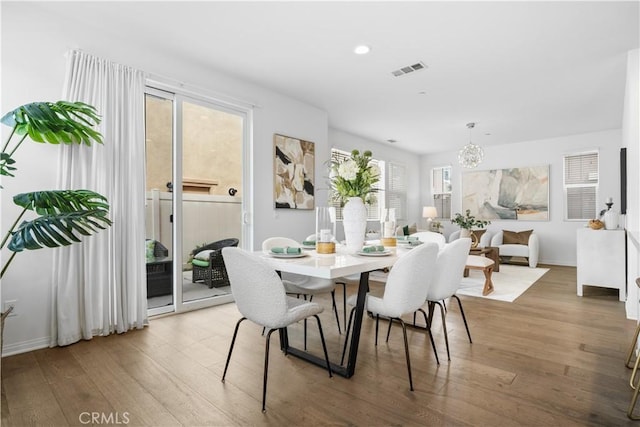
<point>199,90</point>
<point>190,88</point>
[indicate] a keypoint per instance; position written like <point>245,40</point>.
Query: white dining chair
<point>303,285</point>
<point>260,297</point>
<point>430,236</point>
<point>405,292</point>
<point>446,282</point>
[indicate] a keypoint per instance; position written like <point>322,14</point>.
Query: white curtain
<point>100,284</point>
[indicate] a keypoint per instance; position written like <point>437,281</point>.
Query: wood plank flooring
<point>548,359</point>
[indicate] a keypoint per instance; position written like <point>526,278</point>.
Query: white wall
<point>557,237</point>
<point>39,75</point>
<point>631,140</point>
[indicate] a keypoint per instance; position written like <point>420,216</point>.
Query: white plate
<point>300,255</point>
<point>308,247</point>
<point>384,253</point>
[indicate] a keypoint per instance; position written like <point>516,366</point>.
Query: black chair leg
<point>464,318</point>
<point>233,341</point>
<point>406,351</point>
<point>444,328</point>
<point>377,322</point>
<point>266,371</point>
<point>389,327</point>
<point>324,346</point>
<point>433,343</point>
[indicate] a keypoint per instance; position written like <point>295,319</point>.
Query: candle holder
<point>325,230</point>
<point>388,227</point>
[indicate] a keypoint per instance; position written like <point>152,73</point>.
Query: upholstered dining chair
<point>260,297</point>
<point>405,292</point>
<point>446,281</point>
<point>430,236</point>
<point>303,285</point>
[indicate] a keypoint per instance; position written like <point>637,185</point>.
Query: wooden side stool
<point>476,262</point>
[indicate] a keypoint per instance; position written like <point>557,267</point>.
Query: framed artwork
<point>517,193</point>
<point>294,173</point>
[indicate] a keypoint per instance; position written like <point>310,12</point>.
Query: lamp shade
<point>429,212</point>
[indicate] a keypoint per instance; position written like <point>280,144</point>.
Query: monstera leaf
<point>55,123</point>
<point>65,215</point>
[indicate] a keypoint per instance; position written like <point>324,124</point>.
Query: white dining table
<point>333,266</point>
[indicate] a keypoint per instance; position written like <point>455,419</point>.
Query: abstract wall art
<point>294,173</point>
<point>516,193</point>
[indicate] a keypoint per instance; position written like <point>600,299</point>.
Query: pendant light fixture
<point>470,155</point>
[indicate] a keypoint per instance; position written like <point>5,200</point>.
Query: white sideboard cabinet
<point>601,260</point>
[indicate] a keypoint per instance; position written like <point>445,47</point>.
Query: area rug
<point>508,284</point>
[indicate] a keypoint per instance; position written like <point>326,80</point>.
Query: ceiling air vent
<point>409,69</point>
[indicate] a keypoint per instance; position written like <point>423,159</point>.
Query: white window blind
<point>581,178</point>
<point>373,209</point>
<point>397,190</point>
<point>441,190</point>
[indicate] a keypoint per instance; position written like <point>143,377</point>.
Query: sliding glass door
<point>194,198</point>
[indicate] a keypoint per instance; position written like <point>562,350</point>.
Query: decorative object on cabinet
<point>596,224</point>
<point>609,216</point>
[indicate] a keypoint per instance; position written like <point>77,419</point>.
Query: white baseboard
<point>25,346</point>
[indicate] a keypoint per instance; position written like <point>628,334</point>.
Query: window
<point>397,190</point>
<point>373,209</point>
<point>581,185</point>
<point>441,190</point>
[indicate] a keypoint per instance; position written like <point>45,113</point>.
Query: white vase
<point>611,220</point>
<point>354,220</point>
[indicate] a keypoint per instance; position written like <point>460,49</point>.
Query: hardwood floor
<point>548,359</point>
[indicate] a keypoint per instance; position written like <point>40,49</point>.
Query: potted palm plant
<point>61,216</point>
<point>467,222</point>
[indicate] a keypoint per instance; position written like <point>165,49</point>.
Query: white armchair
<point>527,250</point>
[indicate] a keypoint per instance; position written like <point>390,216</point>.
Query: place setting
<point>374,250</point>
<point>287,252</point>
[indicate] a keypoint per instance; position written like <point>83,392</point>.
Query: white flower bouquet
<point>354,177</point>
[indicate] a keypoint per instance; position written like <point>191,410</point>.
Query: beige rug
<point>508,284</point>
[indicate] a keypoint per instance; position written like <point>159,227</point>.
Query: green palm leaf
<point>55,123</point>
<point>65,214</point>
<point>57,230</point>
<point>61,201</point>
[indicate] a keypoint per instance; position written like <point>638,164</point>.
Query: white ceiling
<point>521,70</point>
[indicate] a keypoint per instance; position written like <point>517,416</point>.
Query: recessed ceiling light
<point>362,49</point>
<point>422,92</point>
